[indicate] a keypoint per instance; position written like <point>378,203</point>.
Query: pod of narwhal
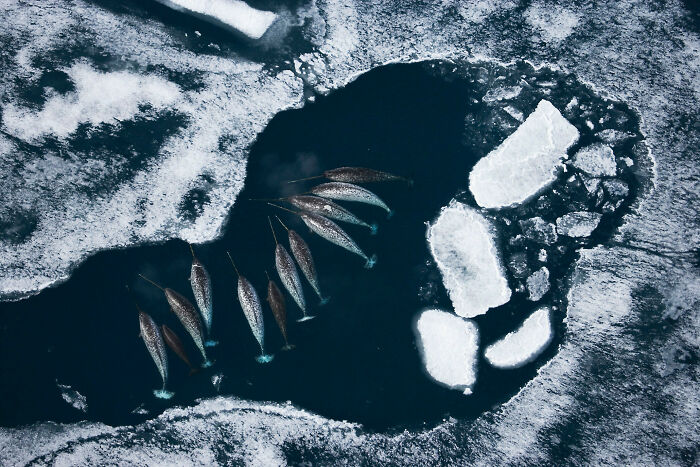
<point>329,230</point>
<point>250,303</point>
<point>357,175</point>
<point>156,347</point>
<point>201,288</point>
<point>342,191</point>
<point>302,254</point>
<point>275,299</point>
<point>329,209</point>
<point>188,316</point>
<point>289,275</point>
<point>173,341</point>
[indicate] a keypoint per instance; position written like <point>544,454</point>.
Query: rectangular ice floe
<point>233,14</point>
<point>524,344</point>
<point>461,242</point>
<point>448,346</point>
<point>526,161</point>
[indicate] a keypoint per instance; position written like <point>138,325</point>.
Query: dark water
<point>357,360</point>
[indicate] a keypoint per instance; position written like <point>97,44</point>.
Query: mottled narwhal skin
<point>156,347</point>
<point>329,209</point>
<point>349,192</point>
<point>361,175</point>
<point>189,318</point>
<point>302,254</point>
<point>201,288</point>
<point>288,273</point>
<point>329,230</point>
<point>279,309</point>
<point>173,341</point>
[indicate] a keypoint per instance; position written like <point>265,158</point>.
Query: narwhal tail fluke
<point>193,371</point>
<point>305,318</point>
<point>287,347</point>
<point>264,358</point>
<point>371,261</point>
<point>324,301</point>
<point>304,179</point>
<point>389,213</point>
<point>211,343</point>
<point>163,393</point>
<point>373,228</point>
<point>207,363</point>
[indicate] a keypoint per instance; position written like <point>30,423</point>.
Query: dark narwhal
<point>357,175</point>
<point>187,315</point>
<point>348,192</point>
<point>201,288</point>
<point>279,309</point>
<point>329,209</point>
<point>154,343</point>
<point>329,230</point>
<point>173,341</point>
<point>302,254</point>
<point>289,275</point>
<point>250,303</point>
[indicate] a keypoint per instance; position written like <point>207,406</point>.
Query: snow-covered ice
<point>73,397</point>
<point>526,162</point>
<point>597,160</point>
<point>538,284</point>
<point>539,230</point>
<point>462,245</point>
<point>578,224</point>
<point>524,344</point>
<point>234,14</point>
<point>448,345</point>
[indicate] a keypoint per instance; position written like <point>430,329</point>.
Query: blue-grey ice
<point>538,284</point>
<point>596,160</point>
<point>578,224</point>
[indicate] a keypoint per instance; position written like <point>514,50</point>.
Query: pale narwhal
<point>156,347</point>
<point>357,175</point>
<point>329,209</point>
<point>250,303</point>
<point>302,254</point>
<point>348,192</point>
<point>201,288</point>
<point>289,275</point>
<point>279,309</point>
<point>188,316</point>
<point>173,341</point>
<point>329,230</point>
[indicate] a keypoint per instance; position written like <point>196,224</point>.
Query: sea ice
<point>73,397</point>
<point>539,230</point>
<point>578,224</point>
<point>448,346</point>
<point>614,136</point>
<point>526,161</point>
<point>462,245</point>
<point>504,93</point>
<point>522,345</point>
<point>234,14</point>
<point>597,160</point>
<point>538,284</point>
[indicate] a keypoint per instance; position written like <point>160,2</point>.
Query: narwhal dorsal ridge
<point>361,175</point>
<point>302,253</point>
<point>201,288</point>
<point>327,208</point>
<point>330,231</point>
<point>348,192</point>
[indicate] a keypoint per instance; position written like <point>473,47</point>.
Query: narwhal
<point>302,254</point>
<point>329,209</point>
<point>330,231</point>
<point>357,175</point>
<point>250,303</point>
<point>201,288</point>
<point>279,309</point>
<point>348,192</point>
<point>154,343</point>
<point>289,275</point>
<point>173,341</point>
<point>187,315</point>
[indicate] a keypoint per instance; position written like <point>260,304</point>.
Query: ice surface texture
<point>526,161</point>
<point>524,344</point>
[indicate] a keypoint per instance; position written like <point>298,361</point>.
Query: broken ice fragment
<point>539,230</point>
<point>538,284</point>
<point>524,344</point>
<point>578,224</point>
<point>597,160</point>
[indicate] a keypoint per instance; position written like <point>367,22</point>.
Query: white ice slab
<point>597,160</point>
<point>524,344</point>
<point>461,242</point>
<point>235,14</point>
<point>578,224</point>
<point>448,345</point>
<point>526,161</point>
<point>538,284</point>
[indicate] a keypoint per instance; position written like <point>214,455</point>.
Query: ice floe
<point>448,345</point>
<point>524,344</point>
<point>538,284</point>
<point>578,224</point>
<point>73,397</point>
<point>234,14</point>
<point>526,162</point>
<point>539,230</point>
<point>461,242</point>
<point>597,160</point>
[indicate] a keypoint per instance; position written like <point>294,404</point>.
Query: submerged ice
<point>526,161</point>
<point>461,242</point>
<point>524,344</point>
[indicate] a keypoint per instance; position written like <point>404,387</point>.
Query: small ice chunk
<point>614,136</point>
<point>73,397</point>
<point>592,185</point>
<point>578,224</point>
<point>616,188</point>
<point>542,256</point>
<point>234,14</point>
<point>597,160</point>
<point>526,161</point>
<point>539,230</point>
<point>448,345</point>
<point>517,263</point>
<point>589,124</point>
<point>499,94</point>
<point>513,112</point>
<point>572,103</point>
<point>524,344</point>
<point>461,242</point>
<point>538,284</point>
